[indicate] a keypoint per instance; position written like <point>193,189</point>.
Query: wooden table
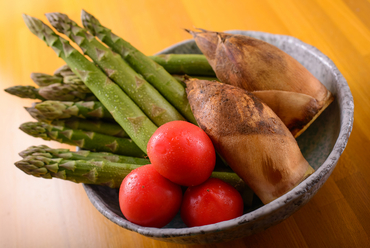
<point>54,213</point>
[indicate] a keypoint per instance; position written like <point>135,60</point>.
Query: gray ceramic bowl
<point>321,144</point>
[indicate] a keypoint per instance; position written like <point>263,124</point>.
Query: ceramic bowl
<point>321,144</point>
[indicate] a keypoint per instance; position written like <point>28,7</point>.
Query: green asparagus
<point>153,104</point>
<point>155,74</point>
<point>57,91</point>
<point>60,110</point>
<point>98,126</point>
<point>37,114</point>
<point>67,92</point>
<point>190,64</point>
<point>85,140</point>
<point>43,79</point>
<point>128,115</point>
<point>91,125</point>
<point>81,155</point>
<point>103,173</point>
<point>25,91</point>
<point>83,167</point>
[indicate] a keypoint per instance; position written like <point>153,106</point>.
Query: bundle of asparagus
<point>85,115</point>
<point>71,98</point>
<point>139,117</point>
<point>134,94</point>
<point>79,102</point>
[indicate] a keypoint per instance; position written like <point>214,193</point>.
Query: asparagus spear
<point>153,104</point>
<point>79,171</point>
<point>86,140</point>
<point>37,114</point>
<point>155,74</point>
<point>57,91</point>
<point>81,155</point>
<point>25,91</point>
<point>67,92</point>
<point>190,64</point>
<point>90,125</point>
<point>43,79</point>
<point>98,126</point>
<point>128,115</point>
<point>60,110</point>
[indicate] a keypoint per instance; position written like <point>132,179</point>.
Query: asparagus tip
<point>9,90</point>
<point>89,22</point>
<point>35,129</point>
<point>34,76</point>
<point>57,19</point>
<point>32,23</point>
<point>36,114</point>
<point>24,91</point>
<point>86,15</point>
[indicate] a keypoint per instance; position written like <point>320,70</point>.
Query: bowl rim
<point>343,92</point>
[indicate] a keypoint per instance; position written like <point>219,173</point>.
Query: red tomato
<point>148,199</point>
<point>211,202</point>
<point>182,152</point>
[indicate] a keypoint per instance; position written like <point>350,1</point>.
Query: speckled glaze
<point>321,144</point>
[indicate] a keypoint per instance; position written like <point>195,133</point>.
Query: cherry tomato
<point>148,199</point>
<point>182,152</point>
<point>211,202</point>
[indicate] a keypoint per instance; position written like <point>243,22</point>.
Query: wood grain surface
<point>53,213</point>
